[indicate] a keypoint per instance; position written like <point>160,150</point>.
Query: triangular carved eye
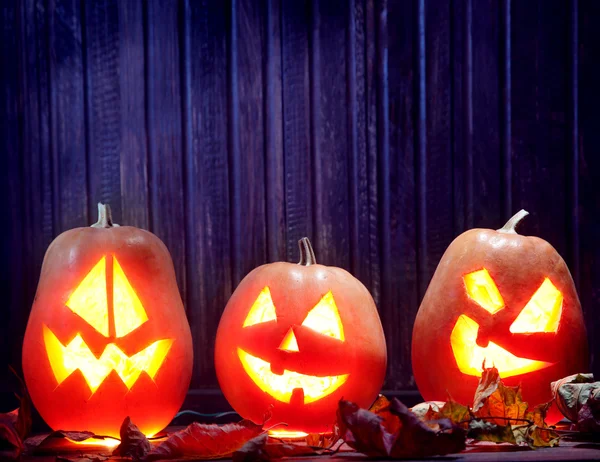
<point>128,309</point>
<point>263,309</point>
<point>542,312</point>
<point>482,289</point>
<point>325,319</point>
<point>89,300</point>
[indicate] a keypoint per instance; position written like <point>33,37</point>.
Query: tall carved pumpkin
<point>107,336</point>
<point>505,299</point>
<point>294,339</point>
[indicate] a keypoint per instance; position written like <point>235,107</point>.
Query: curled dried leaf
<point>263,448</point>
<point>134,443</point>
<point>203,441</point>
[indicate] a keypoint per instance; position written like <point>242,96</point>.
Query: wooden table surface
<point>481,452</point>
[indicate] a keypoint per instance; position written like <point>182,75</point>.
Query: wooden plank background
<point>381,129</point>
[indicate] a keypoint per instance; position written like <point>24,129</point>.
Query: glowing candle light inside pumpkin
<point>302,337</point>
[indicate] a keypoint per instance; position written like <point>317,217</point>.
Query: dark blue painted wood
<point>379,128</point>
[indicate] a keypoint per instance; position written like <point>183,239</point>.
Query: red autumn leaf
<point>263,448</point>
<point>134,443</point>
<point>381,407</point>
<point>203,441</point>
<point>14,427</point>
<point>11,444</point>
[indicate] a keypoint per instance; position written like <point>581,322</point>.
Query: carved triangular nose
<point>289,342</point>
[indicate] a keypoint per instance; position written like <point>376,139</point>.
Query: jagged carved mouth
<point>65,360</point>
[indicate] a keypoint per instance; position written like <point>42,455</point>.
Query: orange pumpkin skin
<point>295,289</point>
<point>518,266</point>
<point>71,405</point>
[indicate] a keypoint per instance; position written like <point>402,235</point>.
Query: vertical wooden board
<point>462,114</point>
<point>589,173</point>
<point>372,82</point>
<point>165,142</point>
<point>399,307</point>
<point>539,117</point>
<point>36,178</point>
<point>358,91</point>
<point>103,95</point>
<point>67,102</point>
<point>438,185</point>
<point>486,96</point>
<point>274,157</point>
<point>331,147</point>
<point>134,150</point>
<point>247,154</point>
<point>208,246</point>
<point>476,93</point>
<point>11,267</point>
<point>295,27</point>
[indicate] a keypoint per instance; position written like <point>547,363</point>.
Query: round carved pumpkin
<point>505,299</point>
<point>107,336</point>
<point>294,339</point>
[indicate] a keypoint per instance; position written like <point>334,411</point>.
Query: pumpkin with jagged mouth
<point>107,336</point>
<point>498,299</point>
<point>294,339</point>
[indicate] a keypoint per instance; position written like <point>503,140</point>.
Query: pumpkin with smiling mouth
<point>294,339</point>
<point>505,300</point>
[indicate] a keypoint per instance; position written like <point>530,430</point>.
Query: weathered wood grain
<point>164,129</point>
<point>207,216</point>
<point>380,129</point>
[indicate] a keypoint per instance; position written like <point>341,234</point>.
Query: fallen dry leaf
<point>263,448</point>
<point>421,409</point>
<point>416,439</point>
<point>365,431</point>
<point>482,430</point>
<point>203,441</point>
<point>572,392</point>
<point>504,406</point>
<point>134,443</point>
<point>488,384</point>
<point>589,415</point>
<point>322,440</point>
<point>11,444</point>
<point>381,407</point>
<point>15,426</point>
<point>457,413</point>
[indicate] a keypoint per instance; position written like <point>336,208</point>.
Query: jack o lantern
<point>107,336</point>
<point>294,339</point>
<point>505,300</point>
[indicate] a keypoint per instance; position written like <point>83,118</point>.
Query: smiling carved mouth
<point>470,356</point>
<point>282,386</point>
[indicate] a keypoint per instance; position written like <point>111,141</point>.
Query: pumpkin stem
<point>104,217</point>
<point>511,224</point>
<point>307,254</point>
